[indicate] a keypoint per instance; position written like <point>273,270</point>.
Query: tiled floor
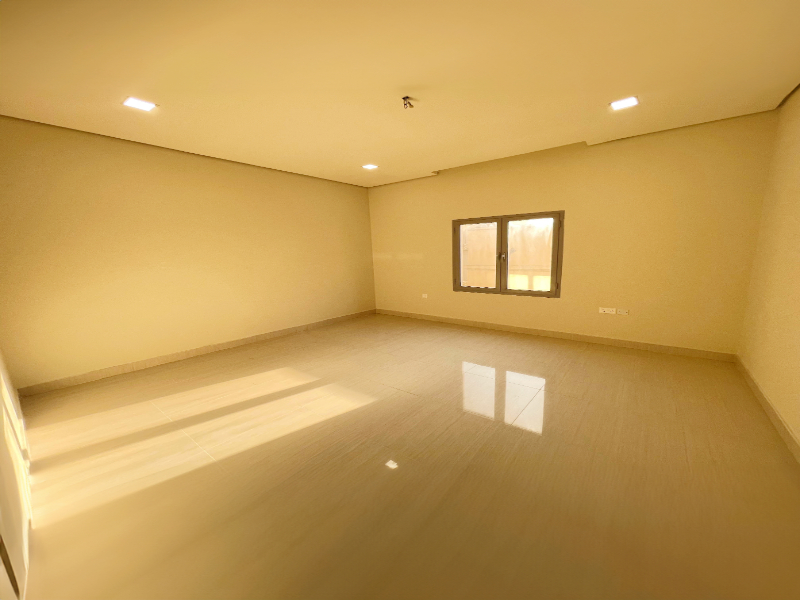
<point>526,468</point>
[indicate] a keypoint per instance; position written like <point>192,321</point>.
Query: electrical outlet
<point>609,311</point>
<point>424,295</point>
<point>622,311</point>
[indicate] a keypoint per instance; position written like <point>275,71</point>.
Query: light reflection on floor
<point>517,400</point>
<point>95,459</point>
<point>82,432</point>
<point>478,389</point>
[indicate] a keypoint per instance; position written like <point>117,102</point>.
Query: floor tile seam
<point>432,512</point>
<point>206,452</point>
<point>513,423</point>
<point>186,433</point>
<point>161,411</point>
<point>368,378</point>
<point>402,390</point>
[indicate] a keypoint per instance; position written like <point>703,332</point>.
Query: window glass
<point>530,254</point>
<point>478,255</point>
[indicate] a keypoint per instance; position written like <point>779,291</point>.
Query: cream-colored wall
<point>113,252</point>
<point>663,225</point>
<point>770,345</point>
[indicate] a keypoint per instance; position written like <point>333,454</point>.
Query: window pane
<point>530,254</point>
<point>479,255</point>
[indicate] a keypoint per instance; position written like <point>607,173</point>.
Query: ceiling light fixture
<point>140,104</point>
<point>407,102</point>
<point>370,167</point>
<point>625,103</point>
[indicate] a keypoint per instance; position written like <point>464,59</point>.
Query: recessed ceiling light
<point>625,103</point>
<point>140,104</point>
<point>370,167</point>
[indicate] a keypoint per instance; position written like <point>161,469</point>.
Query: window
<point>514,254</point>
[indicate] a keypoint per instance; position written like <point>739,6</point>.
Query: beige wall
<point>770,345</point>
<point>663,225</point>
<point>113,252</point>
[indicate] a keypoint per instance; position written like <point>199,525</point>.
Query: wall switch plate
<point>424,295</point>
<point>609,311</point>
<point>622,311</point>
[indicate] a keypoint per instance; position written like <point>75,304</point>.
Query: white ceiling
<point>315,86</point>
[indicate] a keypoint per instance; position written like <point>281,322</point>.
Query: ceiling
<point>315,86</point>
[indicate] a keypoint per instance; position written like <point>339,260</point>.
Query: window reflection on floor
<point>478,389</point>
<point>519,402</point>
<point>532,416</point>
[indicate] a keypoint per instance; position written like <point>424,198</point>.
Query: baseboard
<point>58,384</point>
<point>569,336</point>
<point>66,382</point>
<point>774,416</point>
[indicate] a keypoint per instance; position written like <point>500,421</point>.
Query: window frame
<point>501,272</point>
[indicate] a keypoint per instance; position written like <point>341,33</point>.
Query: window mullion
<point>502,255</point>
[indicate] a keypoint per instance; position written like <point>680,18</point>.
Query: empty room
<point>306,300</point>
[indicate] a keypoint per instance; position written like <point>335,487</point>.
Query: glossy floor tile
<point>392,458</point>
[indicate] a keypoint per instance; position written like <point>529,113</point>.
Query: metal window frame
<point>501,272</point>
